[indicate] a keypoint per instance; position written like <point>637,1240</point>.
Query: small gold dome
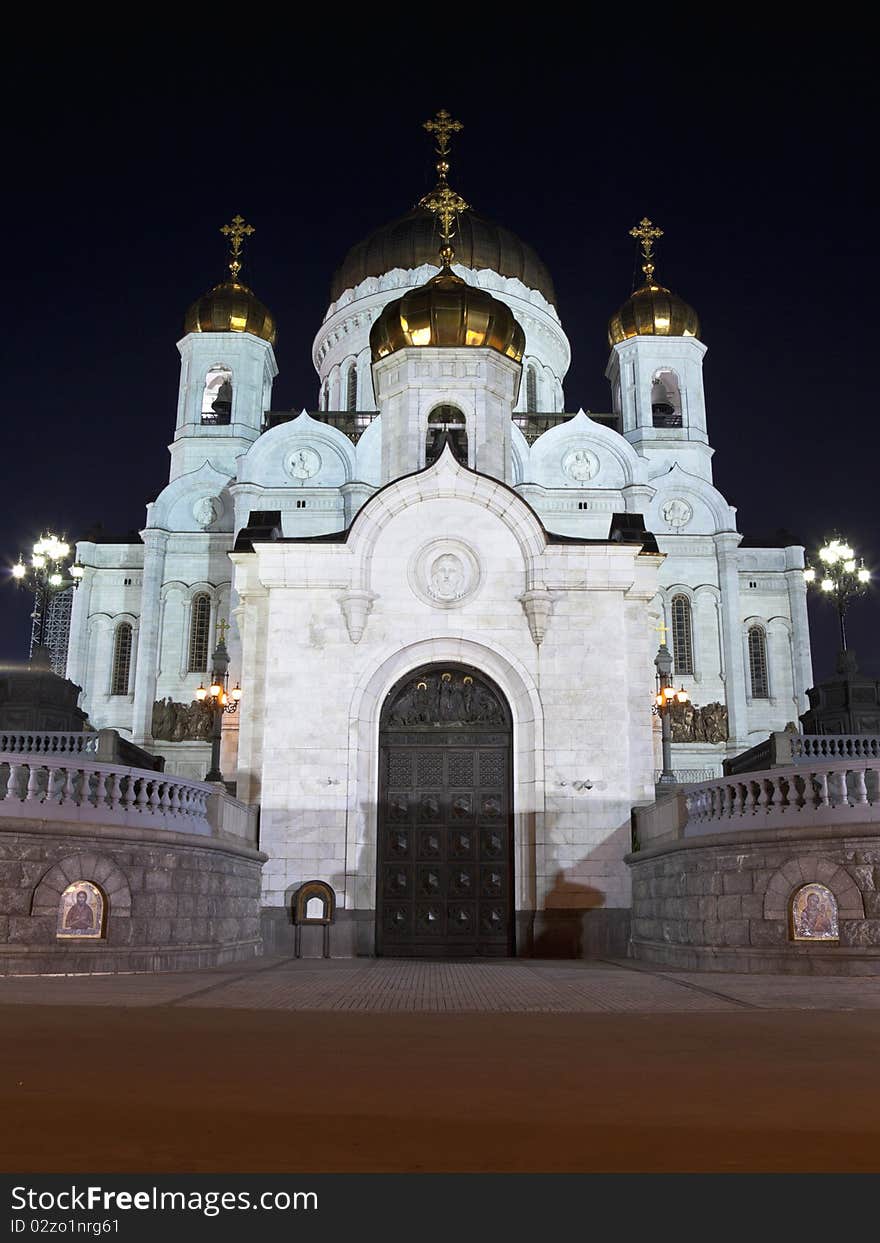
<point>653,311</point>
<point>447,312</point>
<point>230,307</point>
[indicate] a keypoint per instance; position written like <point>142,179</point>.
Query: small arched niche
<point>217,395</point>
<point>665,399</point>
<point>82,911</point>
<point>446,425</point>
<point>812,914</point>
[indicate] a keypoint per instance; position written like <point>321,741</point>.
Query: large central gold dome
<point>413,240</point>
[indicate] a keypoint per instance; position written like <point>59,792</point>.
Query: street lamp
<point>666,696</point>
<point>841,578</point>
<point>219,698</point>
<point>44,575</point>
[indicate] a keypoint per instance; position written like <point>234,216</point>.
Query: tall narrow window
<point>121,660</point>
<point>351,392</point>
<point>682,635</point>
<point>198,635</point>
<point>326,401</point>
<point>531,391</point>
<point>758,663</point>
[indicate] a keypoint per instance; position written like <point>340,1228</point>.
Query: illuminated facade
<point>446,592</point>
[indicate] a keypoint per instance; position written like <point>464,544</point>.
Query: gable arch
<point>102,870</point>
<point>812,869</point>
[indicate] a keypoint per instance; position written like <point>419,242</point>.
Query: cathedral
<point>440,591</point>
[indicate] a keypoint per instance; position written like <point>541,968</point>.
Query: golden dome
<point>653,311</point>
<point>412,240</point>
<point>230,307</point>
<point>447,312</point>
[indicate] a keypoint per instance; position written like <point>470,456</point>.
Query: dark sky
<point>753,155</point>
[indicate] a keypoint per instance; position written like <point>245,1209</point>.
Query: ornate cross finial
<point>442,127</point>
<point>237,231</point>
<point>443,202</point>
<point>662,628</point>
<point>645,232</point>
<point>222,631</point>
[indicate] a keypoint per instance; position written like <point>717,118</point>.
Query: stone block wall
<point>722,903</point>
<point>171,904</point>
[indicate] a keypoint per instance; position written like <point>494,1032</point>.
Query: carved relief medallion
<point>302,463</point>
<point>206,511</point>
<point>677,513</point>
<point>580,465</point>
<point>444,573</point>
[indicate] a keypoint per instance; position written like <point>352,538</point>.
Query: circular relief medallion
<point>302,463</point>
<point>580,464</point>
<point>206,511</point>
<point>444,573</point>
<point>677,513</point>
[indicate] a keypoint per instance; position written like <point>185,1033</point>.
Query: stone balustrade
<point>47,742</point>
<point>806,747</point>
<point>823,794</point>
<point>53,788</point>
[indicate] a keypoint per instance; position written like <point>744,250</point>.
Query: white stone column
<point>731,638</point>
<point>801,657</point>
<point>148,646</point>
<point>77,666</point>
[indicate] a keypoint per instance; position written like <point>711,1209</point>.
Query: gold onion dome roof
<point>652,310</point>
<point>412,240</point>
<point>447,311</point>
<point>231,306</point>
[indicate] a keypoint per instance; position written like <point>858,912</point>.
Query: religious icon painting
<point>814,914</point>
<point>81,912</point>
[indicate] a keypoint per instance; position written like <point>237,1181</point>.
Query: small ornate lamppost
<point>219,698</point>
<point>841,578</point>
<point>666,696</point>
<point>46,574</point>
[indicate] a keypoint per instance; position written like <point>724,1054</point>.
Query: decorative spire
<point>645,232</point>
<point>237,231</point>
<point>443,202</point>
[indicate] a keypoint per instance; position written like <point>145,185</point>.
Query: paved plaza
<point>393,985</point>
<point>382,1066</point>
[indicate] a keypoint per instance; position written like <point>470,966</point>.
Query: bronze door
<point>445,857</point>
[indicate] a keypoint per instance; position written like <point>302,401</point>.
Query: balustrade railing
<point>47,742</point>
<point>836,791</point>
<point>806,747</point>
<point>54,787</point>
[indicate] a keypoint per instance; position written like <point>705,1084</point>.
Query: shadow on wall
<point>559,929</point>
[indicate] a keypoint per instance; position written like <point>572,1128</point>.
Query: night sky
<point>752,154</point>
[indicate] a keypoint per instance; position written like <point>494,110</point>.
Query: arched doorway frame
<point>523,698</point>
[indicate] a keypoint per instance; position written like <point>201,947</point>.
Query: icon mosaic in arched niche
<point>81,912</point>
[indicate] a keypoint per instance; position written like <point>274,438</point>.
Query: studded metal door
<point>445,859</point>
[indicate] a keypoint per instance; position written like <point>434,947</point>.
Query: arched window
<point>758,663</point>
<point>682,635</point>
<point>217,395</point>
<point>446,425</point>
<point>531,391</point>
<point>351,390</point>
<point>665,399</point>
<point>200,624</point>
<point>121,660</point>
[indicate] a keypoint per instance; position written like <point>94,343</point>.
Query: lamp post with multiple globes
<point>666,696</point>
<point>841,578</point>
<point>44,575</point>
<point>219,698</point>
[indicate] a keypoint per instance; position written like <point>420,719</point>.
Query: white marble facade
<point>451,562</point>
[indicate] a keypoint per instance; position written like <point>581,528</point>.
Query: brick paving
<point>415,986</point>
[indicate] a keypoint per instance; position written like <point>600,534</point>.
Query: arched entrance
<point>445,825</point>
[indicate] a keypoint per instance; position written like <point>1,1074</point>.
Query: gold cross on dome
<point>222,631</point>
<point>442,127</point>
<point>645,232</point>
<point>445,204</point>
<point>236,232</point>
<point>662,628</point>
